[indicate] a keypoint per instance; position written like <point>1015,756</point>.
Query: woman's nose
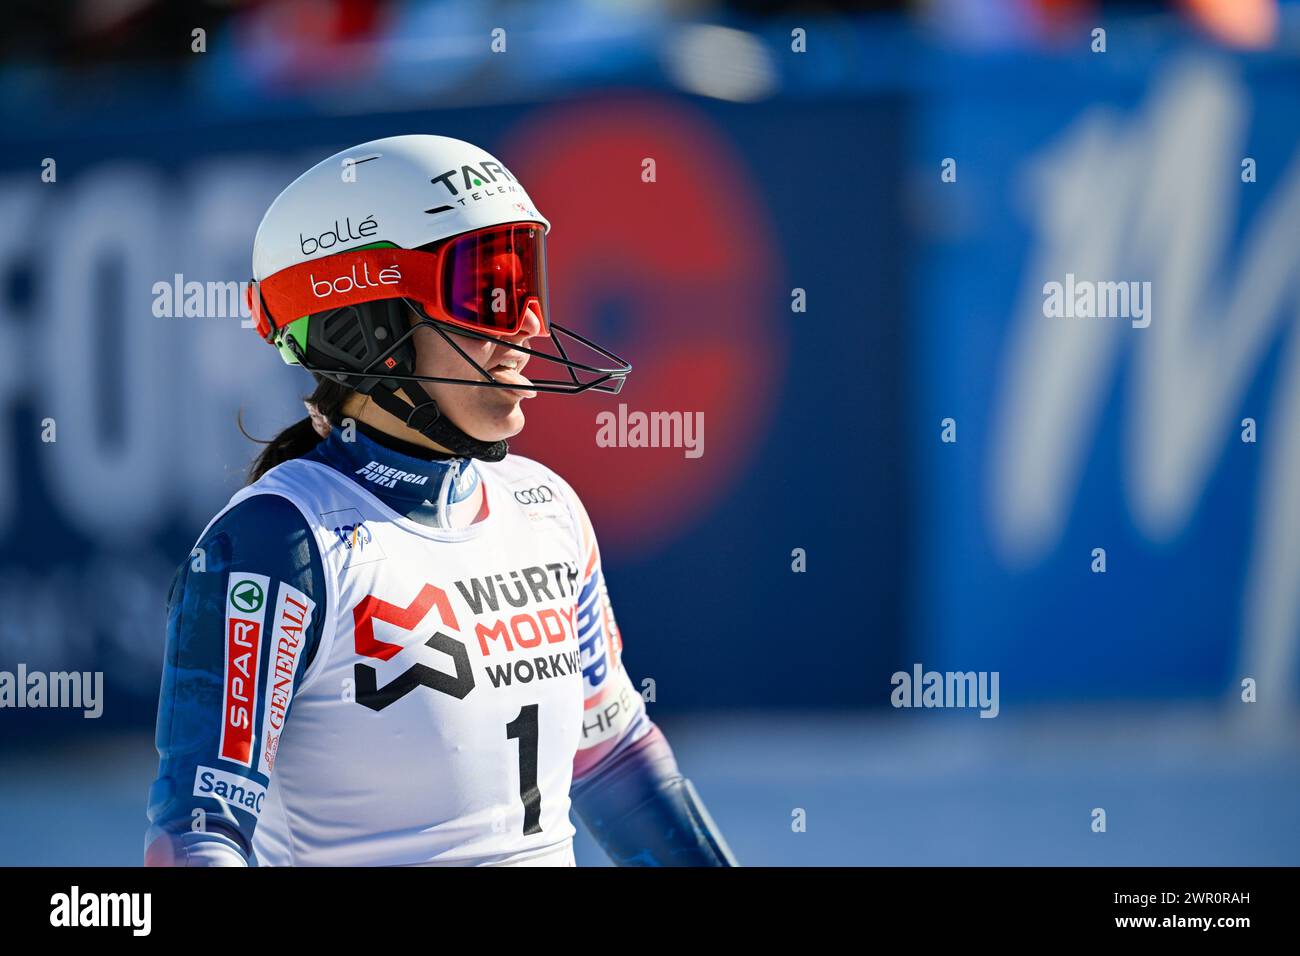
<point>532,324</point>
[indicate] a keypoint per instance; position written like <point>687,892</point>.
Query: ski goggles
<point>484,281</point>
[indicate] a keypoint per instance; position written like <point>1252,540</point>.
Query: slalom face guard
<point>479,284</point>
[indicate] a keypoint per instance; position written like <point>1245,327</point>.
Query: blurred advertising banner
<point>1119,516</point>
<point>127,358</point>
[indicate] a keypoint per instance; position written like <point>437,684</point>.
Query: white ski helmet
<point>407,190</point>
<point>381,238</point>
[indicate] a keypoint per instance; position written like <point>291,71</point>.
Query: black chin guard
<point>350,345</point>
<point>426,418</point>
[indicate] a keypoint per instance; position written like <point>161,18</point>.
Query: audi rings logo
<point>535,496</point>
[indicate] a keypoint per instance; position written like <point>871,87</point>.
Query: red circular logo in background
<point>678,276</point>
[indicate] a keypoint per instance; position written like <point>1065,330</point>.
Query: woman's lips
<point>513,376</point>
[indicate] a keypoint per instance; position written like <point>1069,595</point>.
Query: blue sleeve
<point>643,812</point>
<point>215,698</point>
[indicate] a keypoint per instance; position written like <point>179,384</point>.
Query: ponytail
<point>300,437</point>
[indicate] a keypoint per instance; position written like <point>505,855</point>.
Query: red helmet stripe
<point>350,278</point>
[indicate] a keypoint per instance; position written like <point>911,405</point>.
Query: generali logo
<point>293,618</point>
<point>350,281</point>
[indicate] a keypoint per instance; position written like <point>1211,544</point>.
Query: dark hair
<point>300,437</point>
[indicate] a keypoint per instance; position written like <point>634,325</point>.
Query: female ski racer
<point>395,645</point>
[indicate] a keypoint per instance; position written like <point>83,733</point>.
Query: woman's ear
<point>319,423</point>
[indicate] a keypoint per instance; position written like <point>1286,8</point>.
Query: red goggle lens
<point>489,278</point>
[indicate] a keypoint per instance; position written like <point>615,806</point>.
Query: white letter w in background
<point>1112,201</point>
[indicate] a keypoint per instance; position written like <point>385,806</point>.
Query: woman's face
<point>488,414</point>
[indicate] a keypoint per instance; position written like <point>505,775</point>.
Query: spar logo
<point>245,610</point>
<point>247,596</point>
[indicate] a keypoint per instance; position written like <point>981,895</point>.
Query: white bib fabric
<point>439,719</point>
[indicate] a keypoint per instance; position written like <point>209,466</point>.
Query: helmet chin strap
<point>425,417</point>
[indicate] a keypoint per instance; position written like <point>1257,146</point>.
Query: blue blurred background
<point>778,169</point>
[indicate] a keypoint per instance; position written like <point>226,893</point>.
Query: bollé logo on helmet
<point>339,235</point>
<point>346,283</point>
